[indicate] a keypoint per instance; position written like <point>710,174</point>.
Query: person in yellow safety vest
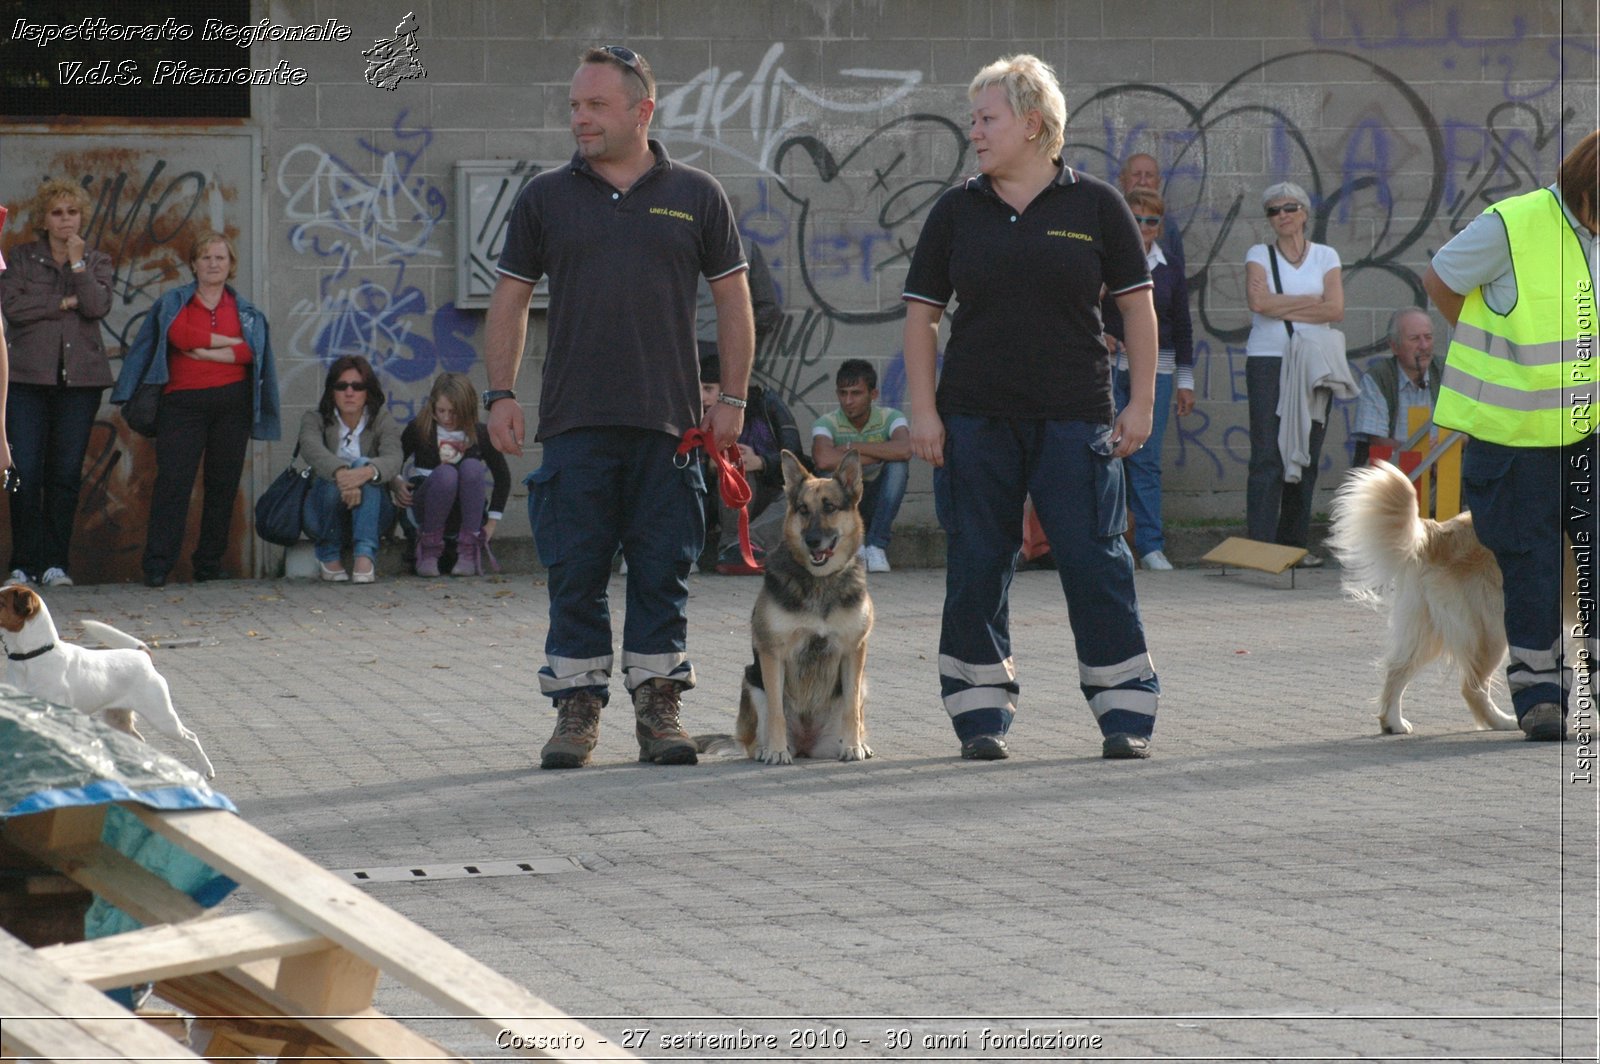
<point>1520,378</point>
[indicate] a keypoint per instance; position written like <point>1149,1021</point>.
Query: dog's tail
<point>1376,529</point>
<point>115,638</point>
<point>719,745</point>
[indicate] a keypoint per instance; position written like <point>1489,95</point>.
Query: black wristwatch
<point>494,395</point>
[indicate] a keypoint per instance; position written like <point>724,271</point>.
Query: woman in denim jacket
<point>209,347</point>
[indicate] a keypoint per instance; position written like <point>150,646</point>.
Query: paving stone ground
<point>1278,882</point>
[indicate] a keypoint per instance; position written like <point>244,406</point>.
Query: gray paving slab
<point>1278,882</point>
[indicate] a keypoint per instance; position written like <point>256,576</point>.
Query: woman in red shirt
<point>220,390</point>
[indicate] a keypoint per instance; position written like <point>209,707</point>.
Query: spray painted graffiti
<point>365,231</point>
<point>770,106</point>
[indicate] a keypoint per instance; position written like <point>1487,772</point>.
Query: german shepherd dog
<point>805,693</point>
<point>1441,586</point>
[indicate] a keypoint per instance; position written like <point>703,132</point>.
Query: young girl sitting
<point>450,453</point>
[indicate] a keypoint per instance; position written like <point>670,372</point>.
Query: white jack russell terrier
<point>115,684</point>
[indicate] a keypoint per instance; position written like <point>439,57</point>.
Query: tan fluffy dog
<point>805,695</point>
<point>1441,585</point>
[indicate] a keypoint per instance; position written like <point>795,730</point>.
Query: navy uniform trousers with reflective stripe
<point>598,489</point>
<point>990,465</point>
<point>1523,499</point>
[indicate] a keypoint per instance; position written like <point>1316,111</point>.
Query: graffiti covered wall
<point>834,124</point>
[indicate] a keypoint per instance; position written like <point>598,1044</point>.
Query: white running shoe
<point>55,576</point>
<point>1155,561</point>
<point>18,577</point>
<point>877,561</point>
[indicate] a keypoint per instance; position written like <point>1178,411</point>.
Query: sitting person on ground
<point>882,437</point>
<point>1392,387</point>
<point>1174,377</point>
<point>450,458</point>
<point>769,429</point>
<point>352,445</point>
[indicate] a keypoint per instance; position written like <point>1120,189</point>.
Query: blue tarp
<point>52,757</point>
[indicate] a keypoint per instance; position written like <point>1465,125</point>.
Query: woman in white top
<point>1308,293</point>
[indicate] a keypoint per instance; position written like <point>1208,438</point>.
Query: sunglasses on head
<point>627,57</point>
<point>1147,219</point>
<point>1287,208</point>
<point>349,386</point>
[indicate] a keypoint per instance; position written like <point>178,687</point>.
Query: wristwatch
<point>376,475</point>
<point>494,395</point>
<point>76,265</point>
<point>732,401</point>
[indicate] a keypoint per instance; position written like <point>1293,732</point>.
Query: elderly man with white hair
<point>1393,387</point>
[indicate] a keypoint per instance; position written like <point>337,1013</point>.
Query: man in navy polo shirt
<point>623,233</point>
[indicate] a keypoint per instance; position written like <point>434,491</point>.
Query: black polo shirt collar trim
<point>981,183</point>
<point>580,165</point>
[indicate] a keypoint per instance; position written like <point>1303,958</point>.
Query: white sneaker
<point>1156,561</point>
<point>18,577</point>
<point>55,576</point>
<point>877,561</point>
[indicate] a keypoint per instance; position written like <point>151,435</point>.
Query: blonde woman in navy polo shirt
<point>1024,407</point>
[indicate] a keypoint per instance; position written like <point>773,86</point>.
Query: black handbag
<point>142,410</point>
<point>280,512</point>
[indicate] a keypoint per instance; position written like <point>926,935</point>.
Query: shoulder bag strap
<point>1272,253</point>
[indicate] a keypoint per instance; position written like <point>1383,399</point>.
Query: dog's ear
<point>794,473</point>
<point>849,475</point>
<point>27,602</point>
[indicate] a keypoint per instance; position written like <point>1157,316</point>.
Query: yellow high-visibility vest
<point>1527,378</point>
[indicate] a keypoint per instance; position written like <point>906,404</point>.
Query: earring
<point>1035,136</point>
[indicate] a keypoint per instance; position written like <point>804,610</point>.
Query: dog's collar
<point>32,653</point>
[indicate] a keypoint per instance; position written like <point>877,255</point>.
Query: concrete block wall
<point>833,124</point>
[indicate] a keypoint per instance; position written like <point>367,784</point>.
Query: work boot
<point>661,735</point>
<point>577,730</point>
<point>429,546</point>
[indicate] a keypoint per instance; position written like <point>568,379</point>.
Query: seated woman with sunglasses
<point>1307,293</point>
<point>208,346</point>
<point>352,444</point>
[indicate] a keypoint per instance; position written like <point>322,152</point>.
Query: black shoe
<point>202,575</point>
<point>154,579</point>
<point>984,748</point>
<point>1544,723</point>
<point>1124,747</point>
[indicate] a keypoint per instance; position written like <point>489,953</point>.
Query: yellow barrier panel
<point>1440,485</point>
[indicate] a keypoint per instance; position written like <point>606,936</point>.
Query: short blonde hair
<point>204,239</point>
<point>1030,85</point>
<point>1148,197</point>
<point>53,190</point>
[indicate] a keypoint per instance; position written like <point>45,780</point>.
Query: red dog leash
<point>731,484</point>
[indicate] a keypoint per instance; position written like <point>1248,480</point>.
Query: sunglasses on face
<point>1147,219</point>
<point>627,57</point>
<point>349,386</point>
<point>1287,208</point>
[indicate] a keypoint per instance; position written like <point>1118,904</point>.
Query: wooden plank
<point>125,883</point>
<point>168,950</point>
<point>43,833</point>
<point>249,991</point>
<point>329,982</point>
<point>54,1017</point>
<point>372,931</point>
<point>1244,553</point>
